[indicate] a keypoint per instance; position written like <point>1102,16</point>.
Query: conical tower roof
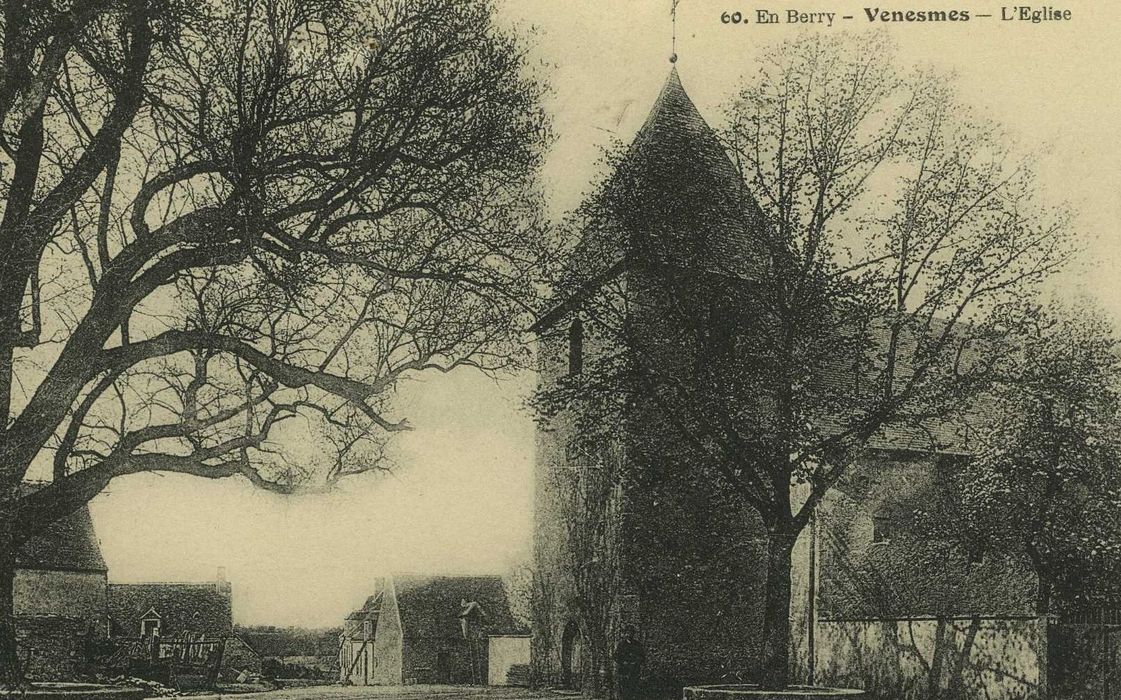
<point>675,198</point>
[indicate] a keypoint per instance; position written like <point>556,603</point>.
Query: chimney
<point>220,581</point>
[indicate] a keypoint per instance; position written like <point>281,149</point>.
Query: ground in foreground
<point>410,692</point>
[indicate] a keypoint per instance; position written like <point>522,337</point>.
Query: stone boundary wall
<point>918,658</point>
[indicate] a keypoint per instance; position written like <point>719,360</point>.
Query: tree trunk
<point>1043,596</point>
<point>1042,578</point>
<point>938,654</point>
<point>776,613</point>
<point>11,671</point>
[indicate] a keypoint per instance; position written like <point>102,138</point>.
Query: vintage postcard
<point>640,349</point>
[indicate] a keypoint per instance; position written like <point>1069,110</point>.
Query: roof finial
<point>673,22</point>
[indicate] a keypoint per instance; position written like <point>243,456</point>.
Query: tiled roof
<point>273,642</point>
<point>184,608</point>
<point>430,606</point>
<point>68,544</point>
<point>369,610</point>
<point>675,198</point>
<point>951,431</point>
<point>908,573</point>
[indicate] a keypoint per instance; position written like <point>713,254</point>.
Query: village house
<point>874,604</point>
<point>184,624</point>
<point>171,610</point>
<point>69,617</point>
<point>59,597</point>
<point>416,629</point>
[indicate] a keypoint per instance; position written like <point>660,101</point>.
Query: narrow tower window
<point>576,347</point>
<point>881,528</point>
<point>721,328</point>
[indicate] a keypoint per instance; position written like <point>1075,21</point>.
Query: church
<point>630,532</point>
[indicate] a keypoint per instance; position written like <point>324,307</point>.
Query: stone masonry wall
<point>55,648</point>
<point>695,548</point>
<point>553,560</point>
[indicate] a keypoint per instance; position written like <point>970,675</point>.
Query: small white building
<point>508,659</point>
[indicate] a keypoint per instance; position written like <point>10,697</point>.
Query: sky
<point>460,497</point>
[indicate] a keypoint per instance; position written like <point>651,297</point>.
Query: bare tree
<point>893,246</point>
<point>221,216</point>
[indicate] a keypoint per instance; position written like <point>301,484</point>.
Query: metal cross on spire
<point>673,22</point>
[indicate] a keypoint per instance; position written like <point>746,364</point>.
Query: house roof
<point>369,610</point>
<point>68,544</point>
<point>431,606</point>
<point>239,640</point>
<point>674,198</point>
<point>273,642</point>
<point>950,430</point>
<point>183,608</point>
<point>907,574</point>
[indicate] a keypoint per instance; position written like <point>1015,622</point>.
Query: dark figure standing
<point>629,657</point>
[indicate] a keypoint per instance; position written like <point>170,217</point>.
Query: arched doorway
<point>571,656</point>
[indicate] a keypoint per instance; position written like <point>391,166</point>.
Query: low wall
<point>915,659</point>
<point>55,648</point>
<point>506,652</point>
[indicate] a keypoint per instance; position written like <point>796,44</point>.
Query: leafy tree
<point>221,216</point>
<point>1045,480</point>
<point>888,245</point>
